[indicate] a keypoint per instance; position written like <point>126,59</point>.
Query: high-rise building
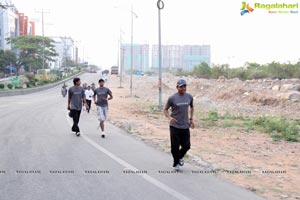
<point>140,57</point>
<point>171,56</point>
<point>26,27</point>
<point>13,24</point>
<point>66,50</point>
<point>22,30</point>
<point>31,29</point>
<point>8,24</point>
<point>194,55</point>
<point>181,57</point>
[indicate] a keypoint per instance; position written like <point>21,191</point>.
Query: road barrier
<point>5,93</point>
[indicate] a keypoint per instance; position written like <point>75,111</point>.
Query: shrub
<point>2,86</point>
<point>30,76</point>
<point>10,86</point>
<point>46,81</point>
<point>278,127</point>
<point>213,116</point>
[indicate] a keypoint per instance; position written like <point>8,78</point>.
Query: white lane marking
<point>125,164</point>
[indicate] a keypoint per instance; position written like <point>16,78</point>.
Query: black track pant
<point>88,102</point>
<point>180,143</point>
<point>76,116</point>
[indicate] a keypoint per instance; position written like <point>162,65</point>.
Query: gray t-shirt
<point>102,93</point>
<point>76,95</point>
<point>180,107</point>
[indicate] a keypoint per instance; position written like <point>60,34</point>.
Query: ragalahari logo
<point>246,8</point>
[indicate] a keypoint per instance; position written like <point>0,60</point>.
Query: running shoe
<point>181,162</point>
<point>176,168</point>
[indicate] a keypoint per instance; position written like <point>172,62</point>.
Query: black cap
<point>181,82</point>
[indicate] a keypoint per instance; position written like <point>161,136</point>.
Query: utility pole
<point>43,34</point>
<point>65,51</point>
<point>43,21</point>
<point>76,53</point>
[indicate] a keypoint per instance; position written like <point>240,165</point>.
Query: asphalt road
<point>40,158</point>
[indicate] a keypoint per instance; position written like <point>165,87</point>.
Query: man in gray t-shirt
<point>76,97</point>
<point>180,122</point>
<point>101,100</point>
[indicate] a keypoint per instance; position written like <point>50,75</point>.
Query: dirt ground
<point>250,159</point>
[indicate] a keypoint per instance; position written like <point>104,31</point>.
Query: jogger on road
<point>88,96</point>
<point>180,122</point>
<point>76,98</point>
<point>101,100</point>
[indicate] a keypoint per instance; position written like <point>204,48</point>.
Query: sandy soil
<point>247,158</point>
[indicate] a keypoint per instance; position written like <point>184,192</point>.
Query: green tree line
<point>247,72</point>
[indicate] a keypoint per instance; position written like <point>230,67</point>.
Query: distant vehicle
<point>43,73</point>
<point>105,72</point>
<point>114,70</point>
<point>140,73</point>
<point>64,90</point>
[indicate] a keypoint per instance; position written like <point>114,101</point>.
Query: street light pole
<point>119,52</point>
<point>131,52</point>
<point>120,58</point>
<point>160,6</point>
<point>131,65</point>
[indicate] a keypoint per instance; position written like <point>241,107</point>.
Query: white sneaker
<point>181,162</point>
<point>176,168</point>
<point>103,134</point>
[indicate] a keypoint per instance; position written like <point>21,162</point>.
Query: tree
<point>203,70</point>
<point>68,63</point>
<point>7,58</point>
<point>220,70</point>
<point>33,51</point>
<point>252,66</point>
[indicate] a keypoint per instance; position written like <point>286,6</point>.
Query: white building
<point>184,57</point>
<point>66,50</point>
<point>9,23</point>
